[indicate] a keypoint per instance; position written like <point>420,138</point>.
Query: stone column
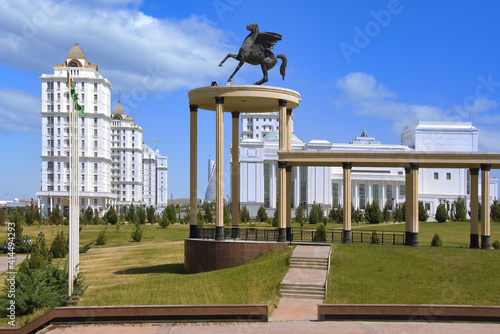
<point>485,206</point>
<point>235,175</point>
<point>407,198</point>
<point>282,205</point>
<point>219,163</point>
<point>412,205</point>
<point>347,166</point>
<point>193,170</point>
<point>474,205</point>
<point>289,203</point>
<point>288,177</point>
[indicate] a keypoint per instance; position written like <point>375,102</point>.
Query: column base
<point>474,241</point>
<point>282,234</point>
<point>411,239</point>
<point>289,235</point>
<point>485,242</point>
<point>235,232</point>
<point>219,233</point>
<point>193,232</point>
<point>346,237</point>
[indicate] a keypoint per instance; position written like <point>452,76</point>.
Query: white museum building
<point>115,167</point>
<point>324,185</point>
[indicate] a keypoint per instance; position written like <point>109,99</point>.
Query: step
<point>319,287</point>
<point>301,296</point>
<point>305,266</point>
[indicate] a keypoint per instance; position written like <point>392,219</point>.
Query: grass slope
<point>364,274</point>
<point>154,275</point>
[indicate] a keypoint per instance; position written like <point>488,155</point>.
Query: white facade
<point>127,153</point>
<point>111,170</point>
<point>324,185</point>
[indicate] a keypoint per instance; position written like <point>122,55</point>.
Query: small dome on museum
<point>118,109</point>
<point>276,135</point>
<point>76,52</point>
<point>364,133</point>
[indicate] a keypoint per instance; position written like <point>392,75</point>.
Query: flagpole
<point>73,235</point>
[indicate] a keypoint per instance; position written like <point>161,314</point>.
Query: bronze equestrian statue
<point>256,50</point>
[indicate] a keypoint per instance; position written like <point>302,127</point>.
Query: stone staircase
<point>307,277</point>
<point>307,291</point>
<point>309,263</point>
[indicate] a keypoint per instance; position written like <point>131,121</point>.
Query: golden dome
<point>76,52</point>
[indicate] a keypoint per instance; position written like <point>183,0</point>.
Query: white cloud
<point>361,94</point>
<point>19,111</point>
<point>127,45</point>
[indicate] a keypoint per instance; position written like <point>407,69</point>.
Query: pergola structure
<point>411,161</point>
<point>238,99</point>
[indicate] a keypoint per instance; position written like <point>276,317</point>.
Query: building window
<point>362,197</point>
<point>388,195</point>
<point>436,176</point>
<point>303,184</point>
<point>402,190</point>
<point>448,176</point>
<point>375,190</point>
<point>267,184</point>
<point>335,195</point>
<point>427,206</point>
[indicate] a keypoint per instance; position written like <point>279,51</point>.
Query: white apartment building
<point>111,150</point>
<point>94,129</point>
<point>324,185</point>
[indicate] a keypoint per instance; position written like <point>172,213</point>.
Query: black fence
<point>247,234</point>
<point>358,236</point>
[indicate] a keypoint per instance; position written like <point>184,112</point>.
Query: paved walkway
<point>4,261</point>
<point>290,309</point>
<point>283,327</point>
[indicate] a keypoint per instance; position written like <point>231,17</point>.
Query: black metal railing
<point>358,236</point>
<point>245,233</point>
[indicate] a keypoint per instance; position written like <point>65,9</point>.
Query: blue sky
<point>384,64</point>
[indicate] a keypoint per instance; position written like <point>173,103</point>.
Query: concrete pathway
<point>293,309</point>
<point>4,261</point>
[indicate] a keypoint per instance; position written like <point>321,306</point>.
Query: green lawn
<point>368,274</point>
<point>453,234</point>
<point>154,275</point>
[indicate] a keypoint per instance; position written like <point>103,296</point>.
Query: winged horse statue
<point>256,50</point>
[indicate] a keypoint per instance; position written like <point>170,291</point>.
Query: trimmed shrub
<point>101,237</point>
<point>317,215</point>
<point>460,211</point>
<point>375,238</point>
<point>386,212</point>
<point>244,214</point>
<point>496,244</point>
<point>137,233</point>
<point>58,247</point>
<point>436,241</point>
<point>320,235</point>
<point>441,213</point>
<point>373,214</point>
<point>299,216</point>
<point>276,218</point>
<point>422,212</point>
<point>261,214</point>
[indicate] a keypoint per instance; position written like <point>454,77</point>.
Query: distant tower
<point>210,192</point>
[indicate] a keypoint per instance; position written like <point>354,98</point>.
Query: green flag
<point>74,96</point>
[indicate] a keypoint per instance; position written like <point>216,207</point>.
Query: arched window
<point>50,165</point>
